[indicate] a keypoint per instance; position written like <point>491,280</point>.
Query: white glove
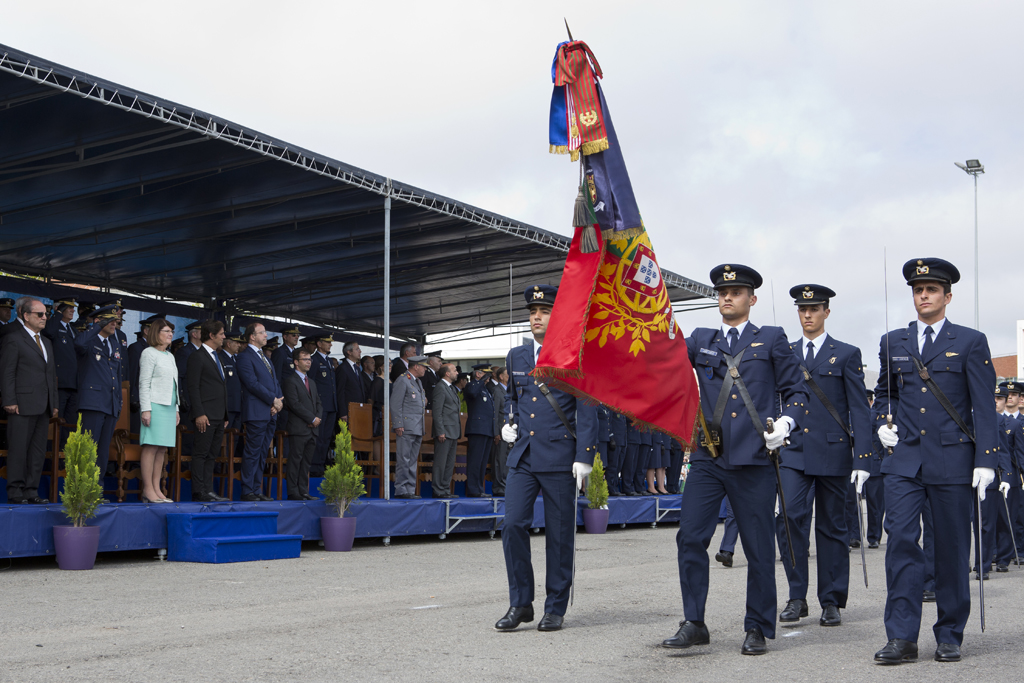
<point>888,437</point>
<point>983,476</point>
<point>859,477</point>
<point>509,433</point>
<point>1004,488</point>
<point>777,438</point>
<point>580,470</point>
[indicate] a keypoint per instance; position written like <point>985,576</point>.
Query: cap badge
<point>922,270</point>
<point>728,276</point>
<point>538,295</point>
<point>808,294</point>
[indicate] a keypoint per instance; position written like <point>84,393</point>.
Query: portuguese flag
<point>613,338</point>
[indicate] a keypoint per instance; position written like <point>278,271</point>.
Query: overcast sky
<point>799,138</point>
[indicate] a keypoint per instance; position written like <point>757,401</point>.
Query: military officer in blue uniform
<point>631,460</point>
<point>936,381</point>
<point>60,332</point>
<point>134,355</point>
<point>322,372</point>
<point>549,457</point>
<point>479,429</point>
<point>617,452</point>
<point>1006,532</point>
<point>741,368</point>
<point>675,467</point>
<point>99,381</point>
<point>833,440</point>
<point>993,508</point>
<point>122,338</point>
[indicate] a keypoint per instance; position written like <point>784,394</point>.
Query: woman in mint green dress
<point>158,401</point>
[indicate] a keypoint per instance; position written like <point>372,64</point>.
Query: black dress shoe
<point>407,496</point>
<point>550,622</point>
<point>308,496</point>
<point>795,609</point>
<point>947,652</point>
<point>265,498</point>
<point>725,557</point>
<point>252,498</point>
<point>297,499</point>
<point>514,617</point>
<point>854,543</point>
<point>929,596</point>
<point>984,577</point>
<point>1002,568</point>
<point>16,501</point>
<point>36,500</point>
<point>754,643</point>
<point>897,651</point>
<point>631,493</point>
<point>614,494</point>
<point>830,616</point>
<point>688,635</point>
<point>873,545</point>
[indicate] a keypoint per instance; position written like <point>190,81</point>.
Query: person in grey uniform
<point>408,403</point>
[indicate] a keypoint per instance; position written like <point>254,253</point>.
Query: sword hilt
<point>889,424</point>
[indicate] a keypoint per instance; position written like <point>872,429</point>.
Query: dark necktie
<point>733,337</point>
<point>263,358</point>
<point>810,351</point>
<point>216,359</point>
<point>928,332</point>
<point>40,345</point>
<point>305,380</point>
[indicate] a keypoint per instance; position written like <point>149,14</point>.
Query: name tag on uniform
<point>899,358</point>
<point>709,352</point>
<point>516,372</point>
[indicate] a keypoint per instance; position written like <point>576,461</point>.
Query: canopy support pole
<point>385,475</point>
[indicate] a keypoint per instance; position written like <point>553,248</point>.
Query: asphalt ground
<point>423,609</point>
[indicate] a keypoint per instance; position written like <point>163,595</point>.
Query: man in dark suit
<point>447,427</point>
<point>208,409</point>
<point>304,417</point>
<point>400,366</point>
<point>431,377</point>
<point>835,440</point>
<point>28,383</point>
<point>99,381</point>
<point>62,335</point>
<point>262,400</point>
<point>942,454</point>
<point>349,385</point>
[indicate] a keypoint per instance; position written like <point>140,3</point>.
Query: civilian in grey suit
<point>408,404</point>
<point>499,452</point>
<point>304,415</point>
<point>447,430</point>
<point>28,384</point>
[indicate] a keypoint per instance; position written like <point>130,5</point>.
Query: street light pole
<point>974,168</point>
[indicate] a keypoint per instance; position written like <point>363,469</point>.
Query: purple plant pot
<point>338,533</point>
<point>596,521</point>
<point>76,546</point>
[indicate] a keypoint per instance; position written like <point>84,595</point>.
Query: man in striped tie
<point>262,400</point>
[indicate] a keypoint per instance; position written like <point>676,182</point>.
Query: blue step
<point>218,537</point>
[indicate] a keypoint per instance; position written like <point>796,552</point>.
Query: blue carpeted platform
<point>27,530</point>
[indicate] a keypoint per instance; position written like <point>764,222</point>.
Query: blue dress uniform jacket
<point>321,372</point>
<point>551,447</point>
<point>481,408</point>
<point>227,361</point>
<point>930,442</point>
<point>122,341</point>
<point>99,372</point>
<point>63,339</point>
<point>768,366</point>
<point>604,429</point>
<point>282,361</point>
<point>821,447</point>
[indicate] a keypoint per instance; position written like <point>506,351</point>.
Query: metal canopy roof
<point>107,186</point>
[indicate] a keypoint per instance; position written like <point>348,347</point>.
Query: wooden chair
<point>230,462</point>
<point>276,464</point>
<point>176,460</point>
<point>461,449</point>
<point>360,426</point>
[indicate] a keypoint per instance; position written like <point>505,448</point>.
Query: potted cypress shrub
<point>76,544</point>
<point>595,517</point>
<point>342,485</point>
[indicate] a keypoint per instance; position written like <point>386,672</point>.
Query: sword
<point>773,456</point>
<point>888,374</point>
<point>981,574</point>
<point>863,537</point>
<point>572,585</point>
<point>1009,523</point>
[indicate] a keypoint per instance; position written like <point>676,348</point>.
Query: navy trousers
<point>852,514</point>
<point>675,469</point>
<point>1005,531</point>
<point>905,560</point>
<point>559,489</point>
<point>324,442</point>
<point>928,546</point>
<point>611,476</point>
<point>258,437</point>
<point>643,462</point>
<point>804,528</point>
<point>830,536</point>
<point>874,493</point>
<point>102,427</point>
<point>730,532</point>
<point>751,491</point>
<point>990,508</point>
<point>629,464</point>
<point>478,452</point>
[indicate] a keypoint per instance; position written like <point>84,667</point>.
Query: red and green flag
<point>612,337</point>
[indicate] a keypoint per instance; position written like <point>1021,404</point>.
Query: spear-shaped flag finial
<point>567,28</point>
